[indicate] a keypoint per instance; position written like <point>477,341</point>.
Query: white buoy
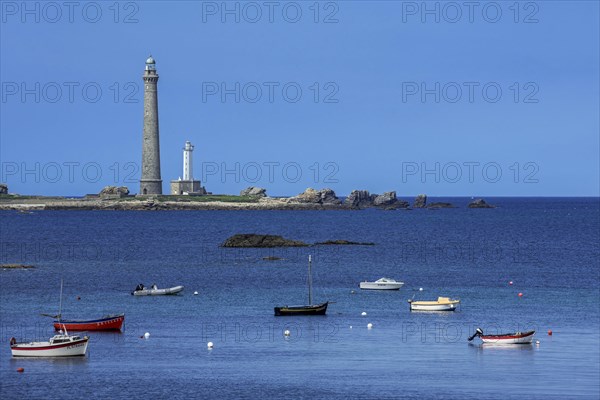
<point>286,333</point>
<point>420,289</point>
<point>146,335</point>
<point>209,345</point>
<point>364,313</point>
<point>369,325</point>
<point>195,293</point>
<point>537,342</point>
<point>350,326</point>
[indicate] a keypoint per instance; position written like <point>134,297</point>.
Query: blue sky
<point>496,100</point>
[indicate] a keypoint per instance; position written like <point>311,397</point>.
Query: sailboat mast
<point>309,280</point>
<point>60,303</point>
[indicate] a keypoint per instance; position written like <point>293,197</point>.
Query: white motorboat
<point>382,284</point>
<point>441,304</point>
<point>61,345</point>
<point>154,291</point>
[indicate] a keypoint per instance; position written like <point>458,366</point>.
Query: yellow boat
<point>442,304</point>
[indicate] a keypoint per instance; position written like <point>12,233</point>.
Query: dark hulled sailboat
<point>310,309</point>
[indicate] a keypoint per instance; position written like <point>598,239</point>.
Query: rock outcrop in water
<point>312,196</point>
<point>363,199</point>
<point>420,201</point>
<point>254,192</point>
<point>389,201</point>
<point>480,203</point>
<point>386,199</point>
<point>255,240</point>
<point>359,199</point>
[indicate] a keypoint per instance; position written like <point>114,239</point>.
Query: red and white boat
<point>61,345</point>
<point>106,323</point>
<point>505,338</point>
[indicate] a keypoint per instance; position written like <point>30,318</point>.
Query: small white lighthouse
<point>187,185</point>
<point>187,161</point>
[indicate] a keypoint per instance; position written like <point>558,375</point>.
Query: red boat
<point>107,323</point>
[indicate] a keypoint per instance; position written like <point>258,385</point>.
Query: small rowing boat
<point>106,323</point>
<point>441,304</point>
<point>505,338</point>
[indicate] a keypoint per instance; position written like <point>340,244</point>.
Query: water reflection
<point>59,362</point>
<point>444,313</point>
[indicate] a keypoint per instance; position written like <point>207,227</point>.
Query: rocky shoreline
<point>118,199</point>
<point>154,205</point>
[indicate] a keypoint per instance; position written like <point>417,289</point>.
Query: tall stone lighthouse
<point>151,183</point>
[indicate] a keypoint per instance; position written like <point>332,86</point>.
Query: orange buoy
<point>549,332</point>
<point>520,294</point>
<point>20,369</point>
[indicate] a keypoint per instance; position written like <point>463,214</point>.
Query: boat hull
<point>158,292</point>
<point>112,323</point>
<point>380,286</point>
<point>45,349</point>
<point>415,306</point>
<point>509,338</point>
<point>317,309</point>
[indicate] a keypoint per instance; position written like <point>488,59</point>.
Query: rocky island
<point>260,241</point>
<point>252,198</point>
<point>480,203</point>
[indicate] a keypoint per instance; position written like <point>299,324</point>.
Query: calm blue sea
<point>548,247</point>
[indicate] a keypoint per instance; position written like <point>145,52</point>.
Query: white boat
<point>154,291</point>
<point>382,284</point>
<point>61,345</point>
<point>504,338</point>
<point>441,304</point>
